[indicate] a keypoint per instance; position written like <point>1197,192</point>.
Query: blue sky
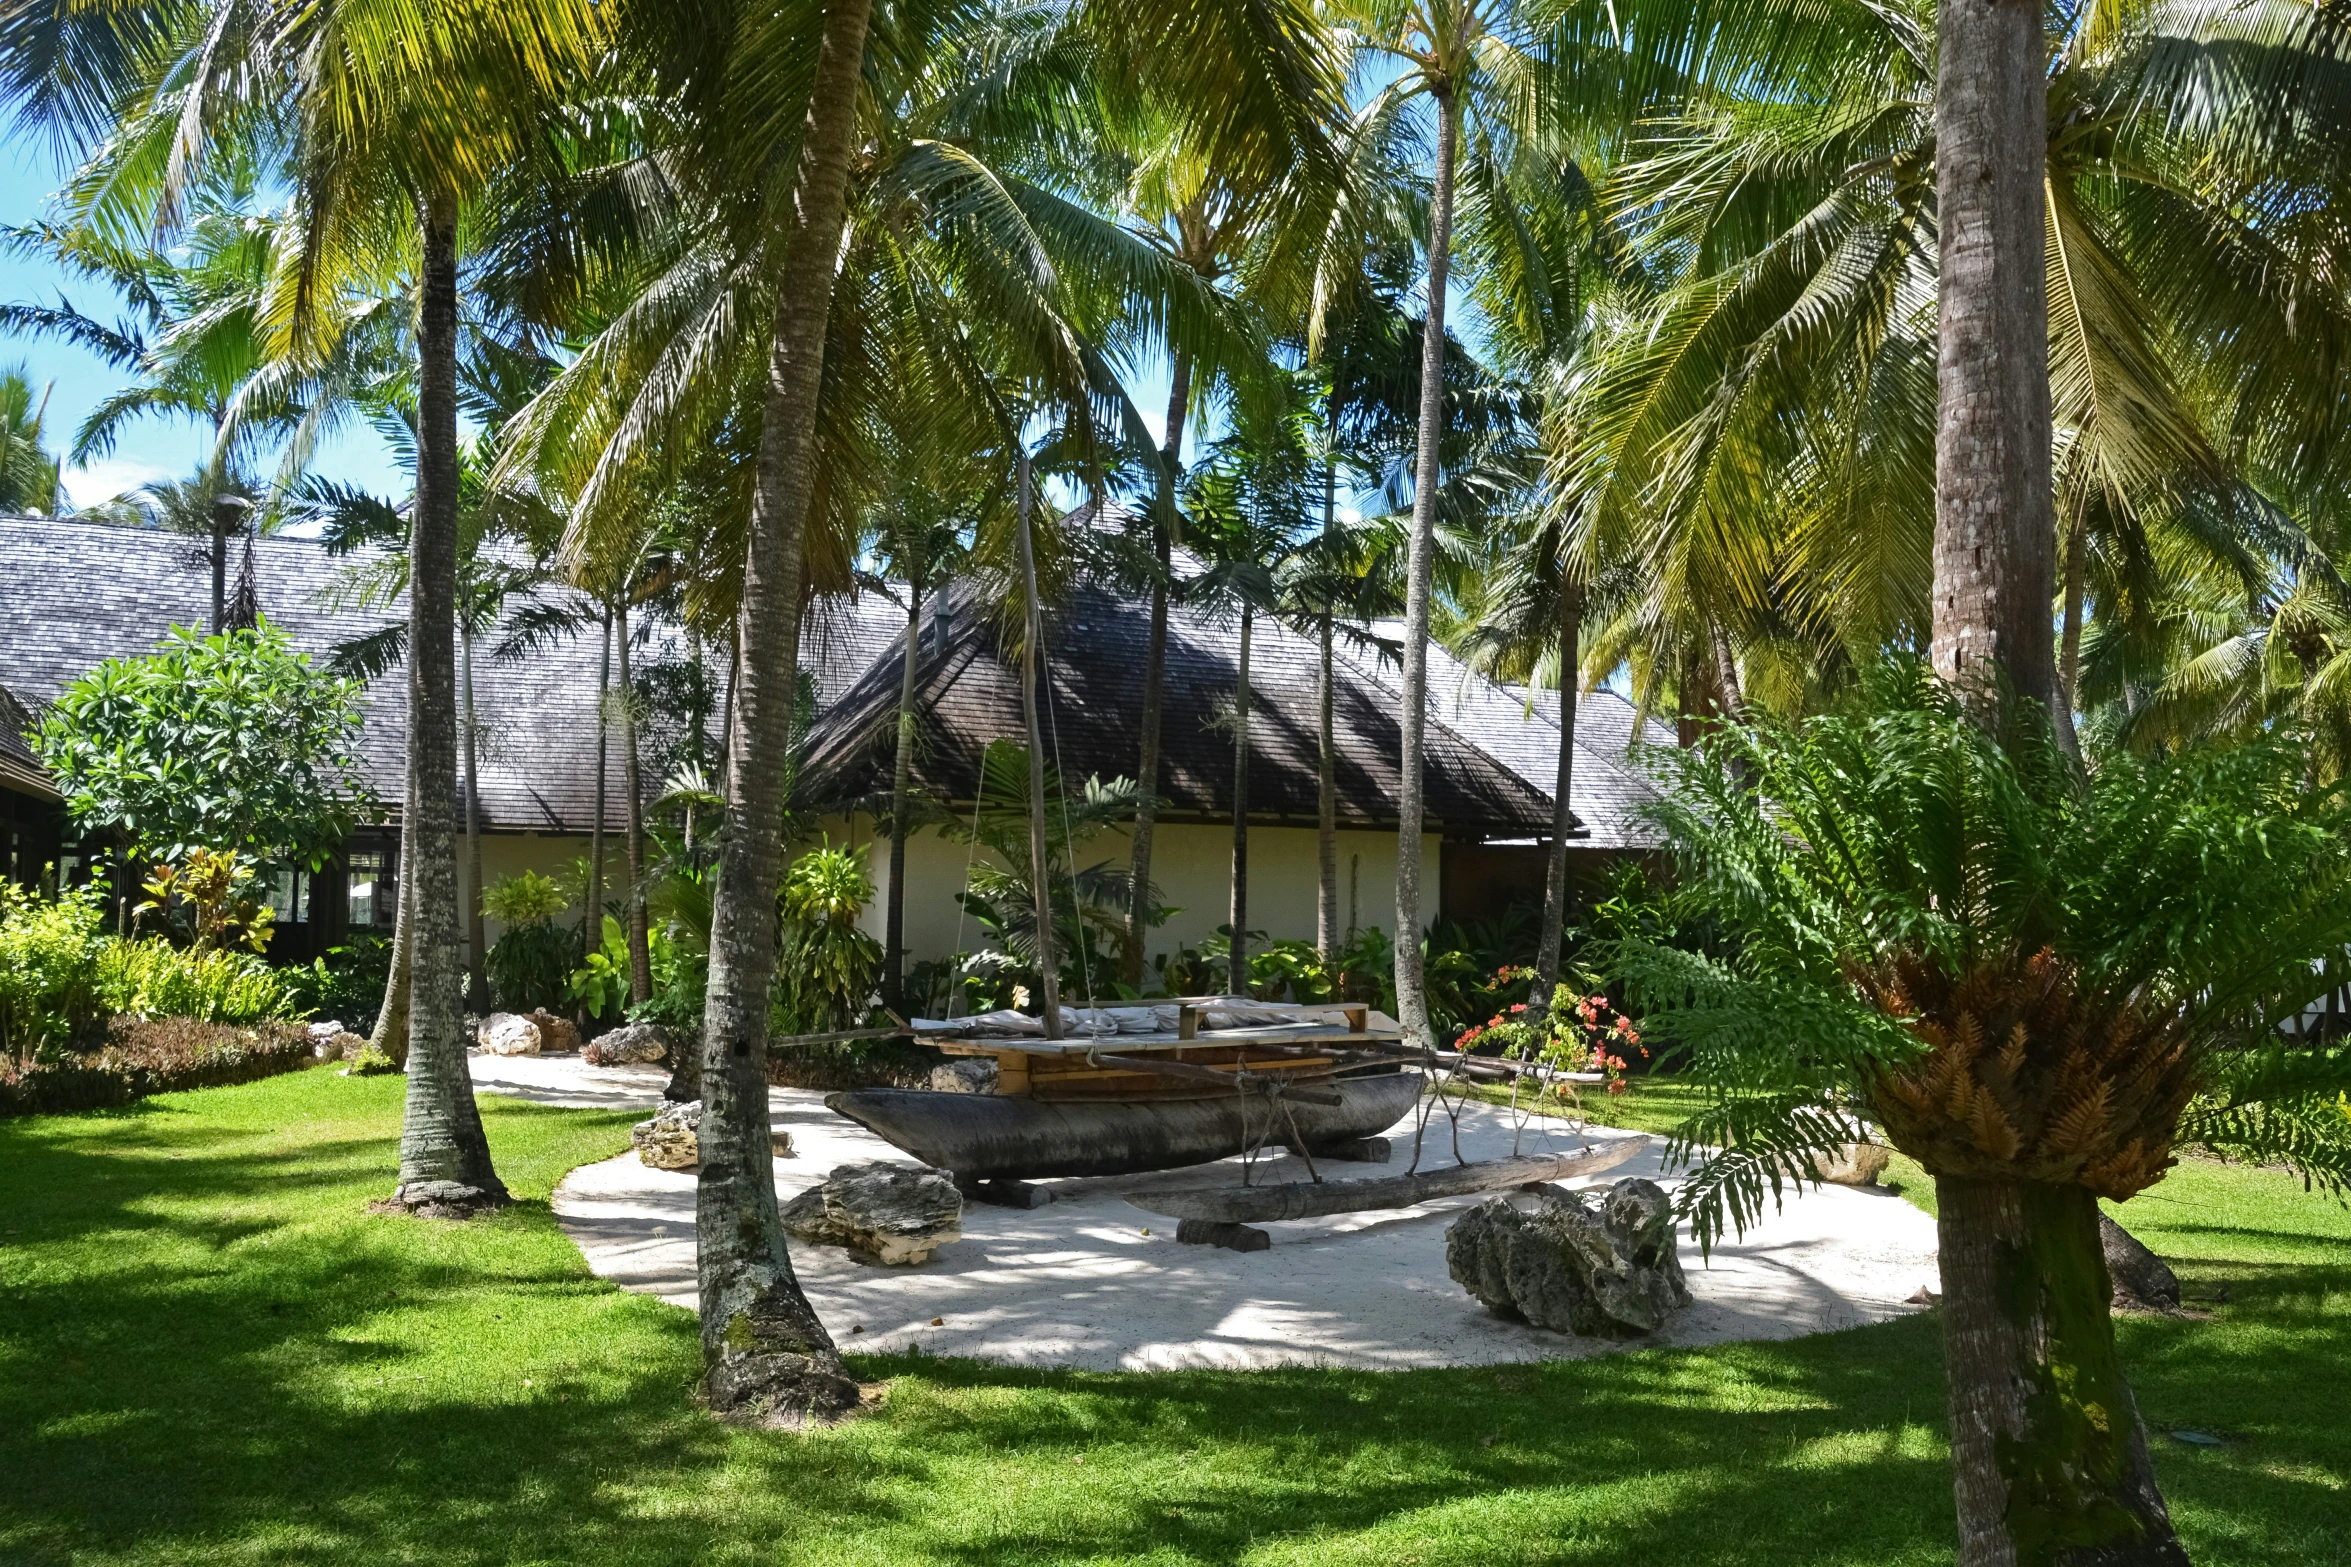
<point>151,448</point>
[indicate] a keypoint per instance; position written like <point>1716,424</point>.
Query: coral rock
<point>672,1140</point>
<point>1550,1258</point>
<point>505,1034</point>
<point>887,1213</point>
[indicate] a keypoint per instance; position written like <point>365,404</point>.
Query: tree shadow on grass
<point>209,1351</point>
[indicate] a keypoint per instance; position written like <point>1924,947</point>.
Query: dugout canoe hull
<point>996,1137</point>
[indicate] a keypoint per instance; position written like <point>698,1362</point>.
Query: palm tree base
<point>442,1200</point>
<point>764,1371</point>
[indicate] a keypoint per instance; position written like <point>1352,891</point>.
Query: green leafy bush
<point>600,985</point>
<point>153,978</point>
<point>152,1056</point>
<point>49,968</point>
<point>828,969</point>
<point>531,964</point>
<point>345,983</point>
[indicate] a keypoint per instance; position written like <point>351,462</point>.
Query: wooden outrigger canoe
<point>988,1137</point>
<point>1127,1103</point>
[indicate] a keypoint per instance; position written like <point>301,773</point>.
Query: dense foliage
<point>143,1056</point>
<point>230,742</point>
<point>2018,969</point>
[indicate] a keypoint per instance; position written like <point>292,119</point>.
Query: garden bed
<point>145,1056</point>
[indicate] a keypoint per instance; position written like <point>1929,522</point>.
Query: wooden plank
<point>1315,1199</point>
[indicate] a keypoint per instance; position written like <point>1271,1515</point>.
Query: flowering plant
<point>1579,1033</point>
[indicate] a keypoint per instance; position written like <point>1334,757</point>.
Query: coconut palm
<point>28,472</point>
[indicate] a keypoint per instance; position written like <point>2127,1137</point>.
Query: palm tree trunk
<point>1040,849</point>
<point>766,1358</point>
<point>2069,646</point>
<point>1412,1000</point>
<point>1171,455</point>
<point>592,925</point>
<point>220,565</point>
<point>1326,815</point>
<point>1726,674</point>
<point>633,781</point>
<point>901,787</point>
<point>2049,1453</point>
<point>1995,527</point>
<point>1326,781</point>
<point>444,1156</point>
<point>1239,968</point>
<point>477,987</point>
<point>1555,888</point>
<point>389,1038</point>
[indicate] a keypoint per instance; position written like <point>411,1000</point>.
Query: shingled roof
<point>19,768</point>
<point>75,592</point>
<point>1483,772</point>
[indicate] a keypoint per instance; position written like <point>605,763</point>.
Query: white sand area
<point>1090,1281</point>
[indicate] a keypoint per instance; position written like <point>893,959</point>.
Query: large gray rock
<point>888,1213</point>
<point>966,1075</point>
<point>629,1045</point>
<point>2142,1281</point>
<point>672,1140</point>
<point>505,1034</point>
<point>1855,1164</point>
<point>1554,1259</point>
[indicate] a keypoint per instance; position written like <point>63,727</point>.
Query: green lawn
<point>211,1352</point>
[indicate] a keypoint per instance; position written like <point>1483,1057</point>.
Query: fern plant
<point>2038,981</point>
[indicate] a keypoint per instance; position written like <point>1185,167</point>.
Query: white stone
<point>894,1214</point>
<point>966,1075</point>
<point>504,1034</point>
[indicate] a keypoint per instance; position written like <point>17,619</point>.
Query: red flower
<point>1617,1085</point>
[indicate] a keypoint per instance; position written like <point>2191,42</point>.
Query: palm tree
<point>28,472</point>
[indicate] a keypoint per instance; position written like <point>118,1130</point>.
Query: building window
<point>371,902</point>
<point>289,897</point>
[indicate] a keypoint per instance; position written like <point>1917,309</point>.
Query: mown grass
<point>210,1352</point>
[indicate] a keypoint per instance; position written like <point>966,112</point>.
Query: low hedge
<point>152,1056</point>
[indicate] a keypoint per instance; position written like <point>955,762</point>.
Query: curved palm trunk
<point>477,986</point>
<point>220,565</point>
<point>901,788</point>
<point>1040,850</point>
<point>444,1157</point>
<point>1239,969</point>
<point>1139,909</point>
<point>2049,1458</point>
<point>1412,1000</point>
<point>766,1358</point>
<point>1555,888</point>
<point>390,1035</point>
<point>633,780</point>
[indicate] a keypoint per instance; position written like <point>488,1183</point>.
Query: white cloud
<point>103,478</point>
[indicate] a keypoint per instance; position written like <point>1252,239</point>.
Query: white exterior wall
<point>1192,866</point>
<point>512,853</point>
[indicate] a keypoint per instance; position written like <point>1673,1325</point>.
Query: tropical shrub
<point>827,969</point>
<point>211,894</point>
<point>49,968</point>
<point>153,978</point>
<point>226,742</point>
<point>152,1056</point>
<point>344,983</point>
<point>600,985</point>
<point>531,963</point>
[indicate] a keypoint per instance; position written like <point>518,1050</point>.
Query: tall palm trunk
<point>221,512</point>
<point>1412,999</point>
<point>1727,685</point>
<point>1040,847</point>
<point>2049,1458</point>
<point>477,987</point>
<point>1239,969</point>
<point>444,1156</point>
<point>592,927</point>
<point>1171,456</point>
<point>2069,645</point>
<point>1555,888</point>
<point>765,1356</point>
<point>901,790</point>
<point>1326,781</point>
<point>633,780</point>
